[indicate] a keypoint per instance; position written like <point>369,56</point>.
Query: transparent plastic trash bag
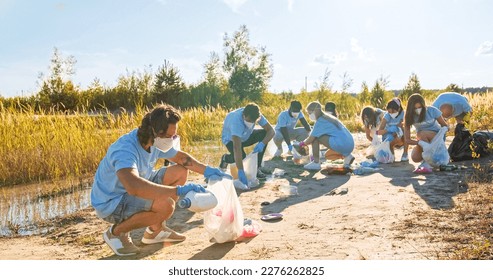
<point>383,153</point>
<point>375,143</point>
<point>436,153</point>
<point>224,223</point>
<point>250,164</point>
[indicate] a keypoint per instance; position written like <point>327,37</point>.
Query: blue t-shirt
<point>430,122</point>
<point>391,121</point>
<point>285,120</point>
<point>325,127</point>
<point>459,102</point>
<point>126,152</point>
<point>235,126</point>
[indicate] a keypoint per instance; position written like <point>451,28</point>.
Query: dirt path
<point>370,221</point>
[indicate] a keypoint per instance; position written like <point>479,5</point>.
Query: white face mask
<point>295,115</point>
<point>163,144</point>
<point>313,117</point>
<point>394,115</point>
<point>418,111</point>
<point>248,124</point>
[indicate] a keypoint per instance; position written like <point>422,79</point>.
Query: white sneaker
<point>348,161</point>
<point>313,166</point>
<point>121,244</point>
<point>165,235</point>
<point>278,153</point>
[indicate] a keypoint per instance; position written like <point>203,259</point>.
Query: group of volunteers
<point>395,124</point>
<point>129,193</point>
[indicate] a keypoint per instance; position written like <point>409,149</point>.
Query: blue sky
<point>442,41</point>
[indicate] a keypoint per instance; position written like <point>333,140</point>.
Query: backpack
<point>460,148</point>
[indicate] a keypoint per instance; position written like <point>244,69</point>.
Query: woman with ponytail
<point>331,133</point>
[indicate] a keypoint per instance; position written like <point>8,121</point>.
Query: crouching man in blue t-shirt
<point>130,194</point>
<point>239,132</point>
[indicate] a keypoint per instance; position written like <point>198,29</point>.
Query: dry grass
<point>464,232</point>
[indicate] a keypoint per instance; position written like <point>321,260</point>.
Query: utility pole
<point>306,82</point>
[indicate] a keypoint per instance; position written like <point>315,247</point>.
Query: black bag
<point>460,148</point>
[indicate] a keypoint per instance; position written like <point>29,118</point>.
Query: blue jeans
<point>130,205</point>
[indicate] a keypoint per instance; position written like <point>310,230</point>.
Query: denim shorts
<point>130,205</point>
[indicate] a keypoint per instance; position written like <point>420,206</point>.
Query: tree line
<point>241,75</point>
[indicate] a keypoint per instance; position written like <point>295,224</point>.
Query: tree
<point>347,82</point>
<point>248,68</point>
<point>413,86</point>
<point>325,85</point>
<point>453,88</point>
<point>377,98</point>
<point>168,84</point>
<point>213,75</point>
<point>57,90</point>
<point>364,96</point>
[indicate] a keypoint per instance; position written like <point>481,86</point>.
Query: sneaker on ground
<point>404,158</point>
<point>313,166</point>
<point>348,160</point>
<point>278,153</point>
<point>122,244</point>
<point>165,235</point>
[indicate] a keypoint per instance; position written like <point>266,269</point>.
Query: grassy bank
<point>55,146</point>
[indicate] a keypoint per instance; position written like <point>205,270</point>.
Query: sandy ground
<point>321,222</point>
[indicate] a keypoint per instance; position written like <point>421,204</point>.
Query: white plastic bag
<point>375,142</point>
<point>299,159</point>
<point>383,153</point>
<point>436,153</point>
<point>224,222</point>
<point>250,166</point>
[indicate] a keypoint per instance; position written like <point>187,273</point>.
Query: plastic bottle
<point>198,202</point>
<point>363,170</point>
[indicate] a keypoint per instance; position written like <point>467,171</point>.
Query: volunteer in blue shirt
<point>239,132</point>
<point>455,105</point>
<point>371,118</point>
<point>286,127</point>
<point>391,127</point>
<point>427,120</point>
<point>130,194</point>
<point>331,133</point>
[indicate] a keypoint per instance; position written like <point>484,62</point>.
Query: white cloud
<point>486,48</point>
<point>234,5</point>
<point>290,5</point>
<point>360,51</point>
<point>330,59</point>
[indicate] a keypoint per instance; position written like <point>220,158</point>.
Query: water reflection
<point>24,208</point>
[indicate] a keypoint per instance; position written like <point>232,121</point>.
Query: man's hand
<point>183,190</point>
<point>242,177</point>
<point>211,171</point>
<point>259,147</point>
